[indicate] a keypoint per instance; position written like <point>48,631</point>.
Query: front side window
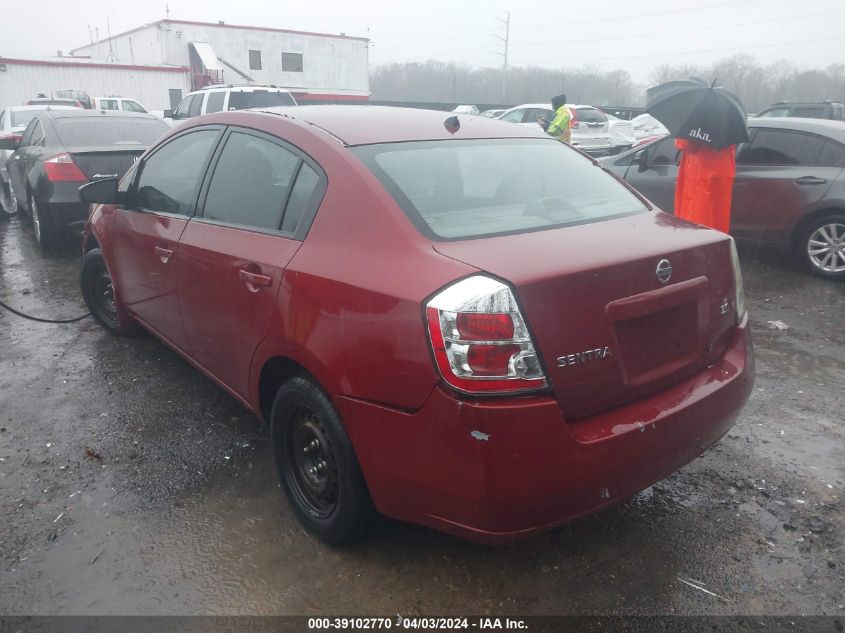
<point>255,60</point>
<point>664,152</point>
<point>251,183</point>
<point>778,147</point>
<point>185,105</point>
<point>26,139</point>
<point>292,62</point>
<point>776,112</point>
<point>38,136</point>
<point>833,155</point>
<point>474,188</point>
<point>133,106</point>
<point>170,178</point>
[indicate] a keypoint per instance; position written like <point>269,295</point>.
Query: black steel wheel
<point>317,465</point>
<point>99,293</point>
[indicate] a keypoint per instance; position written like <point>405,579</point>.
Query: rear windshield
<point>463,189</point>
<point>590,115</point>
<point>259,99</point>
<point>97,132</point>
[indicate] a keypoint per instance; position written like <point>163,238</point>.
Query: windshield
<point>97,131</point>
<point>258,99</point>
<point>475,188</point>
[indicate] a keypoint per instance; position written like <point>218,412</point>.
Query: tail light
<point>740,290</point>
<point>12,137</point>
<point>61,168</point>
<point>480,341</point>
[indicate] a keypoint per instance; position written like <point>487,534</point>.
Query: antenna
<point>110,57</point>
<point>167,11</point>
<point>506,40</point>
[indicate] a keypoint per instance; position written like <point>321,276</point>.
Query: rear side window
<point>833,155</point>
<point>111,130</point>
<point>808,112</point>
<point>251,182</point>
<point>777,147</point>
<point>215,102</point>
<point>242,100</point>
<point>473,188</point>
<point>170,178</point>
<point>304,197</point>
<point>516,116</point>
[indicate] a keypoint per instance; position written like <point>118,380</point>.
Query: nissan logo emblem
<point>664,270</point>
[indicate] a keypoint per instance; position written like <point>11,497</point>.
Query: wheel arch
<point>813,216</point>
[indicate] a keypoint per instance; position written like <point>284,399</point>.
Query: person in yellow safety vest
<point>561,125</point>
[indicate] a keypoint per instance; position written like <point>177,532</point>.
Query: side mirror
<point>641,160</point>
<point>100,192</point>
<point>10,142</point>
<point>167,114</point>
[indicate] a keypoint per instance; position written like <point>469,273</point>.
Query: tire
<point>317,465</point>
<point>42,226</point>
<point>822,246</point>
<point>6,202</point>
<point>100,297</point>
<point>12,207</point>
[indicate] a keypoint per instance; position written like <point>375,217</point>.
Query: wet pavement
<point>130,484</point>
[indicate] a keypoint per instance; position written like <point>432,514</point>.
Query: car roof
<point>365,125</point>
<point>825,127</point>
<point>43,106</point>
<point>237,88</point>
<point>75,113</point>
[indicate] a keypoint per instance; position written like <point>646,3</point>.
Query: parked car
<point>339,271</point>
<point>117,103</point>
<point>811,110</point>
<point>63,149</point>
<point>646,125</point>
<point>590,129</point>
<point>789,189</point>
<point>230,97</point>
<point>13,122</point>
<point>493,114</point>
<point>620,133</point>
<point>466,109</point>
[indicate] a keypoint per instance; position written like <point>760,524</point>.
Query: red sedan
<point>449,320</point>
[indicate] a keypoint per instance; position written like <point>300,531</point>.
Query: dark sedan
<point>789,188</point>
<point>60,150</point>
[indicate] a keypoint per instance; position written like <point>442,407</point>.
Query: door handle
<point>810,180</point>
<point>164,254</point>
<point>254,281</point>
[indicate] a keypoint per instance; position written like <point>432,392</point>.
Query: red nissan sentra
<point>464,324</point>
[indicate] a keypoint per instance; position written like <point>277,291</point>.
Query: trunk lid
<point>105,162</point>
<point>607,329</point>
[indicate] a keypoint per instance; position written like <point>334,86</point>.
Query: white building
<point>23,79</point>
<point>313,66</point>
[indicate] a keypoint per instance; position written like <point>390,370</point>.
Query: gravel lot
<point>130,484</point>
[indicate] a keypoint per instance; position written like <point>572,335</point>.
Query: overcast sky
<point>634,36</point>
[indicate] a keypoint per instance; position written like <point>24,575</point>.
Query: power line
<point>711,50</point>
<point>432,56</point>
<point>442,39</point>
<point>696,30</point>
<point>637,15</point>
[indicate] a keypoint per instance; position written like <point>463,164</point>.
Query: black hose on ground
<point>40,320</point>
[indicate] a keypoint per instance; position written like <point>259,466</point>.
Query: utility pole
<point>506,40</point>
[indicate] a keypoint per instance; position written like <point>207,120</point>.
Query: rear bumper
<point>65,217</point>
<point>494,471</point>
